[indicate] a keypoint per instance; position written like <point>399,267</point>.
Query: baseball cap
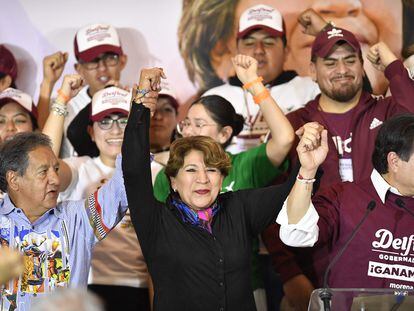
<point>19,97</point>
<point>325,41</point>
<point>110,100</point>
<point>95,39</point>
<point>8,64</point>
<point>261,17</point>
<point>168,92</point>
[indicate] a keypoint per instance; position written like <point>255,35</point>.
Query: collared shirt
<point>57,246</point>
<point>305,233</point>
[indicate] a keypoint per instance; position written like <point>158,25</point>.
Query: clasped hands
<point>146,92</point>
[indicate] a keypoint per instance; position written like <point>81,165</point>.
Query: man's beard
<point>343,94</point>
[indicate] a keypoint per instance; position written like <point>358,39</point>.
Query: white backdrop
<point>33,29</point>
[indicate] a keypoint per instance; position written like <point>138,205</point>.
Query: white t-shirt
<point>118,259</point>
<point>290,96</point>
<point>75,105</point>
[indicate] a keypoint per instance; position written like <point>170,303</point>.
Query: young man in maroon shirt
<point>352,118</point>
<point>381,253</point>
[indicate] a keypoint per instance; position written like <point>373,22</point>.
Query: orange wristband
<point>249,84</point>
<point>63,96</point>
<point>261,96</point>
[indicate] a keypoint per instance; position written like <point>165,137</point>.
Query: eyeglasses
<point>196,128</point>
<point>107,123</point>
<point>108,59</point>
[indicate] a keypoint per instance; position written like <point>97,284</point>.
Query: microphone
<point>401,204</point>
<point>325,295</point>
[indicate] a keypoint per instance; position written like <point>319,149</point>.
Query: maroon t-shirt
<point>339,125</point>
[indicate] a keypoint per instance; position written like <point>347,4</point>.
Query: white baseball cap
<point>110,100</point>
<point>19,97</point>
<point>95,39</point>
<point>261,17</point>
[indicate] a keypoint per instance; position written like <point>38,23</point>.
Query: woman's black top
<point>192,269</point>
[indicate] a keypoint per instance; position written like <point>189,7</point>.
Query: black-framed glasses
<point>108,59</point>
<point>107,123</point>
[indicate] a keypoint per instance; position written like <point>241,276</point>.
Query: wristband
<point>140,93</point>
<point>63,96</point>
<point>303,180</point>
<point>249,84</point>
<point>261,96</point>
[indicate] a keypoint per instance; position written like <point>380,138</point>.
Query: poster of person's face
<point>370,20</point>
<point>151,35</point>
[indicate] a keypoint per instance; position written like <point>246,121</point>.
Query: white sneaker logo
<point>230,187</point>
<point>375,123</point>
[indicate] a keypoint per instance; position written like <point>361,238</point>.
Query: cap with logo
<point>110,100</point>
<point>325,41</point>
<point>8,64</point>
<point>261,17</point>
<point>20,98</point>
<point>95,39</point>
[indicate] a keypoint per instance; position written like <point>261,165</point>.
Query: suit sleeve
<point>401,85</point>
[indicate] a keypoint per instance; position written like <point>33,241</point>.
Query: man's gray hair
<point>14,153</point>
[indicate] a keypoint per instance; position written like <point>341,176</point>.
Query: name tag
<point>345,170</point>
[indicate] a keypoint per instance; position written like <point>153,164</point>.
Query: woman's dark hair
<point>223,113</point>
<point>397,135</point>
<point>13,84</point>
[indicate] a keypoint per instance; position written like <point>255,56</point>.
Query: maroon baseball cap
<point>95,39</point>
<point>326,40</point>
<point>8,64</point>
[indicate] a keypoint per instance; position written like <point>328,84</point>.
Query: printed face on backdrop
<point>371,21</point>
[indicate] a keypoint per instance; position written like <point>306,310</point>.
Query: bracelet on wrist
<point>304,180</point>
<point>250,84</point>
<point>261,96</point>
<point>59,109</point>
<point>140,93</point>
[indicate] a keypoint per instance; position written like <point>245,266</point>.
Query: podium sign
<point>364,299</point>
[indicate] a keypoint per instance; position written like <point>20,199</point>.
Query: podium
<point>364,299</point>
